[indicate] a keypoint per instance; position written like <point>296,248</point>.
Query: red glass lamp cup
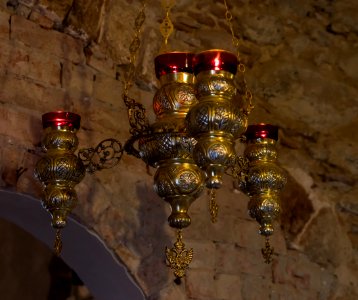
<point>216,60</point>
<point>262,131</point>
<point>60,119</point>
<point>173,62</point>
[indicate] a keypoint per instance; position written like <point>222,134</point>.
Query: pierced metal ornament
<point>166,27</point>
<point>106,155</point>
<point>136,111</point>
<point>178,257</point>
<point>137,116</point>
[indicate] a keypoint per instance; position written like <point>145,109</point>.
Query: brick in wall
<point>234,260</point>
<point>54,42</point>
<point>109,90</point>
<point>36,65</point>
<point>4,25</point>
<point>204,254</point>
<point>78,77</point>
<point>228,287</point>
<point>200,284</point>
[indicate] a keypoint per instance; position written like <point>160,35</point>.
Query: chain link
<point>166,27</point>
<point>244,90</point>
<point>136,112</point>
<point>213,206</point>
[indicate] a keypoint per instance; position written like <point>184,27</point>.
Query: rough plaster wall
<point>302,67</point>
<point>24,262</point>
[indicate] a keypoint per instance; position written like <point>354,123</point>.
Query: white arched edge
<point>83,251</point>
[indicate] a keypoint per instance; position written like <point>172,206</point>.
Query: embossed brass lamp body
<point>168,147</point>
<point>264,179</point>
<point>60,169</point>
<point>216,121</point>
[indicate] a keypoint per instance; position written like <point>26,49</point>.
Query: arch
<point>83,251</point>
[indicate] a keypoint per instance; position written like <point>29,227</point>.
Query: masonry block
<point>204,254</point>
<point>228,287</point>
<point>36,65</point>
<point>78,77</point>
<point>200,284</point>
<point>256,288</point>
<point>99,61</point>
<point>4,25</point>
<point>109,90</point>
<point>53,42</point>
<point>21,125</point>
<point>231,259</point>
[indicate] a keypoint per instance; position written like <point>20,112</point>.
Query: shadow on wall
<point>83,251</point>
<point>152,238</point>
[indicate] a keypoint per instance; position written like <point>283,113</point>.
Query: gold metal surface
<point>168,147</point>
<point>57,246</point>
<point>263,183</point>
<point>213,206</point>
<point>59,171</point>
<point>106,155</point>
<point>215,122</point>
<point>168,138</point>
<point>166,27</point>
<point>179,77</point>
<point>136,111</point>
<point>179,182</point>
<point>178,257</point>
<point>267,252</point>
<point>241,82</point>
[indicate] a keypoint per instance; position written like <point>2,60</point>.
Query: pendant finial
<point>178,257</point>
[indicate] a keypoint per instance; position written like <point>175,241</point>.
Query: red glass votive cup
<point>173,62</point>
<point>262,131</point>
<point>60,119</point>
<point>215,60</point>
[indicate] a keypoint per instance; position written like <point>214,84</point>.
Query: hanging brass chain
<point>57,246</point>
<point>268,251</point>
<point>136,112</point>
<point>166,27</point>
<point>213,206</point>
<point>244,90</point>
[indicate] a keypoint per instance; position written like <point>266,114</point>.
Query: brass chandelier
<point>202,109</point>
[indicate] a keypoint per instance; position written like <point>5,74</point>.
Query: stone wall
<point>302,68</point>
<point>21,255</point>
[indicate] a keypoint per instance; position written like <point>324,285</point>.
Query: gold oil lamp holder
<point>60,169</point>
<point>168,147</point>
<point>217,120</point>
<point>201,110</point>
<point>264,180</point>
